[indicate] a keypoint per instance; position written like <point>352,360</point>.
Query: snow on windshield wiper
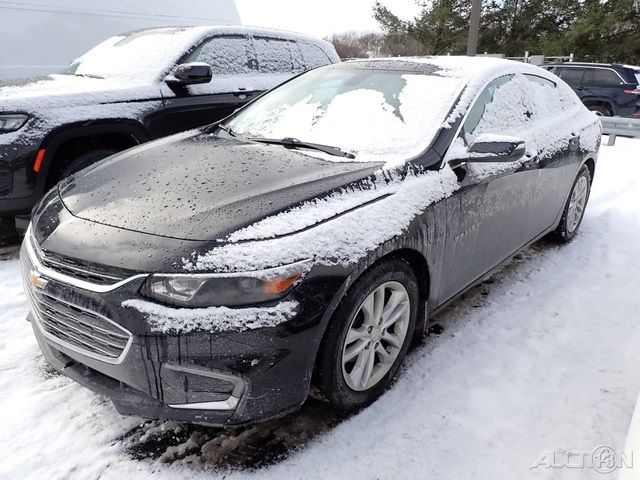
<point>88,75</point>
<point>224,128</point>
<point>295,143</point>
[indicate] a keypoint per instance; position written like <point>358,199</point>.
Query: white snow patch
<point>342,240</point>
<point>212,319</point>
<point>313,212</point>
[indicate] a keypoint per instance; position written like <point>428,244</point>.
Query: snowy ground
<point>542,357</point>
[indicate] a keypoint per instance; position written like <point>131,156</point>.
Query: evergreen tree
<point>594,30</point>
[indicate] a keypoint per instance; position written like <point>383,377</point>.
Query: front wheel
<point>369,336</point>
<point>84,160</point>
<point>575,207</point>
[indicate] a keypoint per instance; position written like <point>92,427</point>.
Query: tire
<point>600,110</point>
<point>337,382</point>
<point>570,223</point>
<point>84,160</point>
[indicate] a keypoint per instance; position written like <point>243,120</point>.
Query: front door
<point>234,69</point>
<point>490,217</point>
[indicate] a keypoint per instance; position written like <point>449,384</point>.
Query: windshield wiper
<point>88,75</point>
<point>288,142</point>
<point>224,128</point>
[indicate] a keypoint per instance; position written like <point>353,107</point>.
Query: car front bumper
<point>223,379</point>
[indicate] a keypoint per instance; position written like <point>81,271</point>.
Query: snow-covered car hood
<point>55,91</point>
<point>197,186</point>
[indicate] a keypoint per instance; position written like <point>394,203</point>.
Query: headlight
<point>224,289</point>
<point>10,122</point>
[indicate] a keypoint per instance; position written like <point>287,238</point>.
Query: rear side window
<point>601,76</point>
<point>313,55</point>
<point>545,82</point>
<point>571,75</point>
<point>227,55</point>
<point>298,60</point>
<point>274,55</point>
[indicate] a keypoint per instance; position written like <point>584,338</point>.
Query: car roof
<point>208,30</point>
<point>453,66</point>
<point>588,64</point>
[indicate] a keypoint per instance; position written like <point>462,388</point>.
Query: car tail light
<point>633,91</point>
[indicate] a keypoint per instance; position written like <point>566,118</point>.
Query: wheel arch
<point>591,165</point>
<point>411,256</point>
<point>79,138</point>
<point>602,102</point>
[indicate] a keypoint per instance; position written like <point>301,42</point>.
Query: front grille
<point>79,328</point>
<point>73,268</point>
<point>6,180</point>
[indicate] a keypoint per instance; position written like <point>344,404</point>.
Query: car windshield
<point>377,114</point>
<point>139,57</point>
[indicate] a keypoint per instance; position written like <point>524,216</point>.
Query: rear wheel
<point>369,335</point>
<point>575,207</point>
<point>600,110</point>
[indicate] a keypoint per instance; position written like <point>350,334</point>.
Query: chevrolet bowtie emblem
<point>36,279</point>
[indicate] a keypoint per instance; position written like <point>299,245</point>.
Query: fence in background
<point>533,59</point>
<point>614,126</point>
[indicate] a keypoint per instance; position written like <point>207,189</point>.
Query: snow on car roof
<point>144,56</point>
<point>473,73</point>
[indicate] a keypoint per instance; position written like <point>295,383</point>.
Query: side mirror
<point>189,74</point>
<point>488,148</point>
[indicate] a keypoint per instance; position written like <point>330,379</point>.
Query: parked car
<point>132,88</point>
<point>215,275</point>
<point>605,89</point>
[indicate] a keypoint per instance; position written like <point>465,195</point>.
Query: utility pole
<point>474,27</point>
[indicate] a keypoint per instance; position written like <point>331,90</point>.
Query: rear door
<point>234,67</point>
<point>573,76</point>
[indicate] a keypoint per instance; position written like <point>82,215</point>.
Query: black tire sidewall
<point>85,160</point>
<point>604,111</point>
<point>562,232</point>
<point>329,378</point>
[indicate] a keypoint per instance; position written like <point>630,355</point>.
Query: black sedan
<point>215,276</point>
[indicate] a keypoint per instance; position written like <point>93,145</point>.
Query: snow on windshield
<point>139,57</point>
<point>387,116</point>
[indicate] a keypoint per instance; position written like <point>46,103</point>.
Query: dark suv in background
<point>130,89</point>
<point>606,89</point>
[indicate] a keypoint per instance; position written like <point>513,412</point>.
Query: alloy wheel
<point>375,336</point>
<point>577,202</point>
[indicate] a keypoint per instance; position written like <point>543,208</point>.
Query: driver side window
<point>504,107</point>
<point>227,55</point>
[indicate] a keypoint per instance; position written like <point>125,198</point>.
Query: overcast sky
<point>319,17</point>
